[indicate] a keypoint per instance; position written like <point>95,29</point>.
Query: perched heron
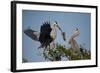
<point>73,42</point>
<point>46,35</point>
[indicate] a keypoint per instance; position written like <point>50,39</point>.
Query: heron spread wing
<point>34,35</point>
<point>45,30</point>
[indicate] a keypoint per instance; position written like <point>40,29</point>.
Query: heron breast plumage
<point>53,34</point>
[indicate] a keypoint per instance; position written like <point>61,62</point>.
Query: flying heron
<point>46,35</point>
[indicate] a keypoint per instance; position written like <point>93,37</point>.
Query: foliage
<point>24,60</point>
<point>56,54</point>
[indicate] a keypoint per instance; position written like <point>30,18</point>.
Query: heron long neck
<point>53,33</point>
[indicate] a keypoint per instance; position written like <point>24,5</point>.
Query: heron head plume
<point>55,24</point>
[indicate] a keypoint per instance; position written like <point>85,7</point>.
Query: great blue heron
<point>46,35</point>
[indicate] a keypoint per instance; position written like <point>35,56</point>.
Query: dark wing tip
<point>29,32</point>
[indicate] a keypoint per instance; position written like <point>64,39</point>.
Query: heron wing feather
<point>34,35</point>
<point>45,30</point>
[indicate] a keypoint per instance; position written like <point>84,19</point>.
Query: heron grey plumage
<point>73,42</point>
<point>46,35</point>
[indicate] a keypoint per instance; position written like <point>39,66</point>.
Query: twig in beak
<point>64,36</point>
<point>63,33</point>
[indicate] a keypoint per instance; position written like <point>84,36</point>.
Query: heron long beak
<point>63,33</point>
<point>60,29</point>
